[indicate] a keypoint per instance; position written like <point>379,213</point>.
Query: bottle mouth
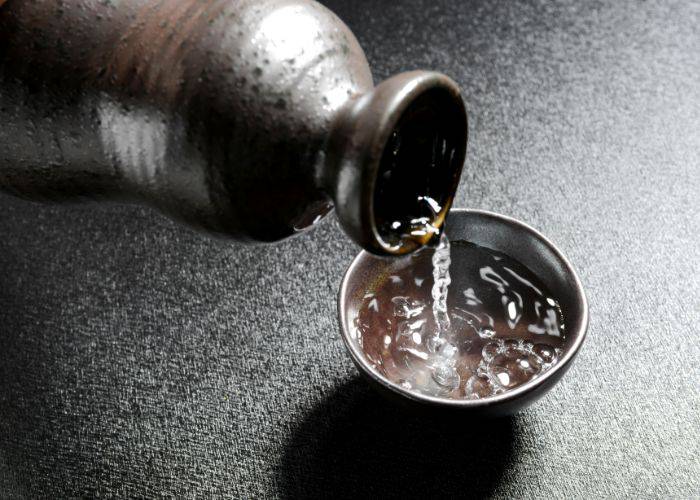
<point>419,170</point>
<point>398,155</point>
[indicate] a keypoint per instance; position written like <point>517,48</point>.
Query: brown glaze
<point>235,116</point>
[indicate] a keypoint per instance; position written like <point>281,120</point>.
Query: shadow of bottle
<point>357,444</point>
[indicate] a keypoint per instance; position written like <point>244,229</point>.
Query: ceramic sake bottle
<point>248,119</point>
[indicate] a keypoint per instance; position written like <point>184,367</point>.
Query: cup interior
<point>495,232</point>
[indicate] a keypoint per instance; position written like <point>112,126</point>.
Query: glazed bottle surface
<point>247,119</point>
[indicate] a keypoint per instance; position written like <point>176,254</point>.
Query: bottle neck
<point>394,159</point>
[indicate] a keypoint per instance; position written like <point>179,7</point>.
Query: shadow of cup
<point>357,444</point>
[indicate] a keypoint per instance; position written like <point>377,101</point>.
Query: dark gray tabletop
<point>138,358</point>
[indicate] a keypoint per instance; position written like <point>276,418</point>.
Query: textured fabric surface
<point>140,359</point>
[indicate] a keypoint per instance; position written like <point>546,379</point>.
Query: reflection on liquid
<point>459,321</point>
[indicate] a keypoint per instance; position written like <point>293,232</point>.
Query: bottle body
<point>215,112</point>
<point>219,112</point>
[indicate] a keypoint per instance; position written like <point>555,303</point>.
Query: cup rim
<point>579,332</point>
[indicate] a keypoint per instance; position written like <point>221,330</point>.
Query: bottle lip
<point>356,147</point>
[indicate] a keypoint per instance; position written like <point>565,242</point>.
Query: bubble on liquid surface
<point>405,307</point>
<point>435,343</point>
<point>484,324</point>
<point>486,333</point>
<point>446,376</point>
<point>546,353</point>
<point>513,368</point>
<point>490,350</point>
<point>511,345</point>
<point>447,350</point>
<point>479,386</point>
